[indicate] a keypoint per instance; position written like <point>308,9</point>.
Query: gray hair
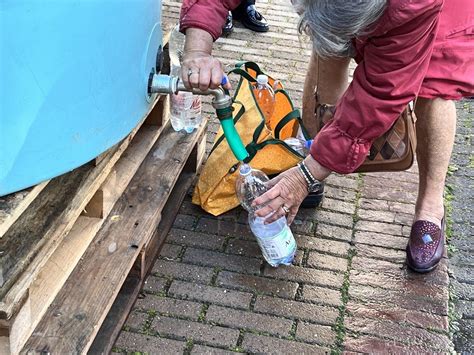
<point>332,24</point>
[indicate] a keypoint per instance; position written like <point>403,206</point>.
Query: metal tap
<point>165,84</point>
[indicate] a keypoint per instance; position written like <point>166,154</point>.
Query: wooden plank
<point>74,318</point>
<point>61,263</point>
<point>13,205</point>
<point>127,296</point>
<point>37,233</point>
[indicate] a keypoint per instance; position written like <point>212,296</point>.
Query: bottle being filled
<point>299,145</point>
<point>275,239</point>
<point>265,97</point>
<point>185,107</point>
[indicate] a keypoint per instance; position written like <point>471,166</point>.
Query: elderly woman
<point>405,50</point>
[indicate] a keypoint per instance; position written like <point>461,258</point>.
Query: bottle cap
<point>308,143</point>
<point>245,169</point>
<point>262,79</point>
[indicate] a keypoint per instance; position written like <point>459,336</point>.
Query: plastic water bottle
<point>249,185</point>
<point>185,108</point>
<point>275,240</point>
<point>265,97</point>
<point>301,146</point>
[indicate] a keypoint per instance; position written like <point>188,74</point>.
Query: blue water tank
<point>73,81</point>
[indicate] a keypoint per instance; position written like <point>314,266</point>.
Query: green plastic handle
<point>233,139</point>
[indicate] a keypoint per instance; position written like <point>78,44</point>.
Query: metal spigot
<point>165,84</point>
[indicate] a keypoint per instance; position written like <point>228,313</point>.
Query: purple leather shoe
<point>426,246</point>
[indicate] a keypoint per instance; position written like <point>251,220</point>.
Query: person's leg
<point>435,130</point>
<point>330,76</point>
<point>435,126</point>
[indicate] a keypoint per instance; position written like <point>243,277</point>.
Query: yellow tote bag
<point>215,190</point>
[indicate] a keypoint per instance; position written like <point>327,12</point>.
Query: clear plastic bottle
<point>301,146</point>
<point>275,240</point>
<point>249,185</point>
<point>265,97</point>
<point>185,108</point>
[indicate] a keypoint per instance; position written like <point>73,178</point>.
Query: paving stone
<point>334,232</point>
<point>338,206</point>
<point>327,262</point>
<point>303,226</point>
<point>244,247</point>
<point>323,245</point>
<point>397,181</point>
<point>315,333</point>
<point>463,291</point>
<point>381,240</point>
<point>322,295</point>
<point>344,181</point>
<point>399,315</point>
<point>248,320</point>
<point>263,344</point>
<point>338,219</point>
<point>307,275</point>
<point>210,294</point>
<point>257,284</point>
<point>433,303</point>
<point>385,228</point>
<point>224,228</point>
<point>195,239</point>
<point>296,310</point>
<point>184,221</point>
<point>399,282</point>
<point>383,205</point>
<point>370,251</point>
<point>190,208</point>
<point>136,320</point>
<point>169,306</point>
<point>368,344</point>
<point>390,194</point>
<point>154,284</point>
<point>224,261</point>
<point>380,268</point>
<point>197,331</point>
<point>147,343</point>
<point>202,349</point>
<point>170,251</point>
<point>339,193</point>
<point>183,271</point>
<point>398,332</point>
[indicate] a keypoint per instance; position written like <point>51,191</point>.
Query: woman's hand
<point>199,69</point>
<point>286,193</point>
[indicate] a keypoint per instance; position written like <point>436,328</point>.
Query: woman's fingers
<point>270,208</point>
<point>201,70</point>
<point>271,194</point>
<point>292,214</point>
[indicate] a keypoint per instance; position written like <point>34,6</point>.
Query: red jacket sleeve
<point>387,78</point>
<point>208,15</point>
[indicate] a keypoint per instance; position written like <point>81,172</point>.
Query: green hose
<point>230,133</point>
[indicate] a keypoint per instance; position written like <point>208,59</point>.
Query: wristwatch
<point>313,183</point>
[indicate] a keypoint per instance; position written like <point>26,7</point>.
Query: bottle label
<point>280,246</point>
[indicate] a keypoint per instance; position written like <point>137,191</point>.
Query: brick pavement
<point>349,290</point>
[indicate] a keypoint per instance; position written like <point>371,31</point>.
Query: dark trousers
<point>243,6</point>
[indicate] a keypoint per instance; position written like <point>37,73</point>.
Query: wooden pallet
<point>64,239</point>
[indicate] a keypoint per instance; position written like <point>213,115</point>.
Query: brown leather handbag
<point>393,151</point>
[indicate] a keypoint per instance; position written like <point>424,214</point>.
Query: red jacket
<point>417,48</point>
